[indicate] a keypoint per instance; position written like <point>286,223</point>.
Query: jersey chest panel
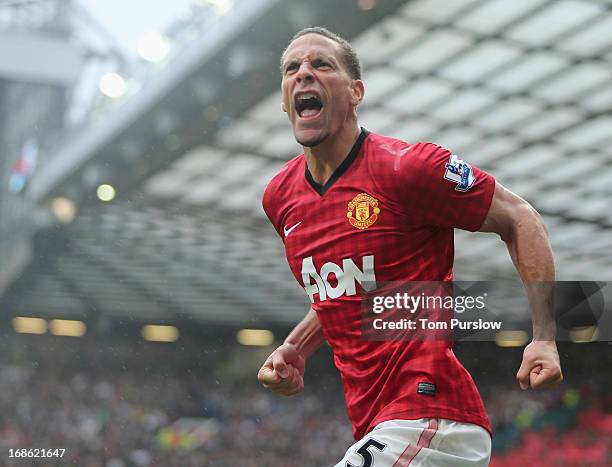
<point>347,237</point>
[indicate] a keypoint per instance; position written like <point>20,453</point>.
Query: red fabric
<point>410,240</point>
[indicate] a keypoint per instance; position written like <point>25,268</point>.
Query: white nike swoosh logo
<point>290,229</point>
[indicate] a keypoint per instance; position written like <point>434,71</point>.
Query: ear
<point>357,92</point>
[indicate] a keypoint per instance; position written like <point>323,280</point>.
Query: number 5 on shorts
<point>364,452</point>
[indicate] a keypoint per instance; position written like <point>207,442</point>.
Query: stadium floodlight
<point>583,334</point>
<point>366,5</point>
<point>28,325</point>
<point>153,47</point>
<point>106,192</point>
<point>64,209</point>
<point>259,337</point>
<point>160,333</point>
<point>68,327</point>
<point>511,338</point>
<point>113,85</point>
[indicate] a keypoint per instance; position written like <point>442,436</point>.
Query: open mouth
<point>308,105</point>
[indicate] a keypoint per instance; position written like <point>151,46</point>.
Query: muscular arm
<point>283,370</point>
<point>522,229</point>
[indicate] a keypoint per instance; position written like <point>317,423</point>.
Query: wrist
<point>302,348</point>
<point>546,333</point>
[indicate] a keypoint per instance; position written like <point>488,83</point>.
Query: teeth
<point>307,96</point>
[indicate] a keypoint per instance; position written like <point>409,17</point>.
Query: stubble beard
<point>311,143</point>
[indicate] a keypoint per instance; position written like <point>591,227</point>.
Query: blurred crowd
<point>119,421</point>
<point>114,406</point>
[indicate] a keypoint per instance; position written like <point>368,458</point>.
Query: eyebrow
<point>317,57</point>
<point>288,62</point>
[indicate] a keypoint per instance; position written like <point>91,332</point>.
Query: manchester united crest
<point>363,211</point>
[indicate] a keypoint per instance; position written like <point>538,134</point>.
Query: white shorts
<point>421,443</point>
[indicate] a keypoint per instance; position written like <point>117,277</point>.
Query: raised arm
<point>283,370</point>
<point>522,229</point>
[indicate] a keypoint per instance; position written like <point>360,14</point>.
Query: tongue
<point>309,112</point>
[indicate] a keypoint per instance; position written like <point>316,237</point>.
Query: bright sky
<point>128,20</point>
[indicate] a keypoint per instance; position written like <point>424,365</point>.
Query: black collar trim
<point>343,167</point>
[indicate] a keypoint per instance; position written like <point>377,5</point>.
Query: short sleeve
<point>440,188</point>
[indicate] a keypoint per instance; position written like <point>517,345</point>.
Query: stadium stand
<point>121,404</point>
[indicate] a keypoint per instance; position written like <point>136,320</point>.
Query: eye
<point>291,67</point>
<point>322,64</point>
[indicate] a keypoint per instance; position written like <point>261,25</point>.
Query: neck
<point>322,160</point>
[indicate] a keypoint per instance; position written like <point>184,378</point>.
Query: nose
<point>305,72</point>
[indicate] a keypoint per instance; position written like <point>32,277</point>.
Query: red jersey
<point>386,214</point>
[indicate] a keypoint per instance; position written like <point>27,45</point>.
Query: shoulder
<point>399,155</point>
<point>383,146</point>
<point>284,177</point>
<point>276,193</point>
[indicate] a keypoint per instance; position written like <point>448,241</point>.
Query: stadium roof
<point>521,89</point>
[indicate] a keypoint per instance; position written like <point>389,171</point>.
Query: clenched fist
<point>540,367</point>
<point>283,371</point>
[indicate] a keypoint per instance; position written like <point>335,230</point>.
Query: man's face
<point>318,94</point>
